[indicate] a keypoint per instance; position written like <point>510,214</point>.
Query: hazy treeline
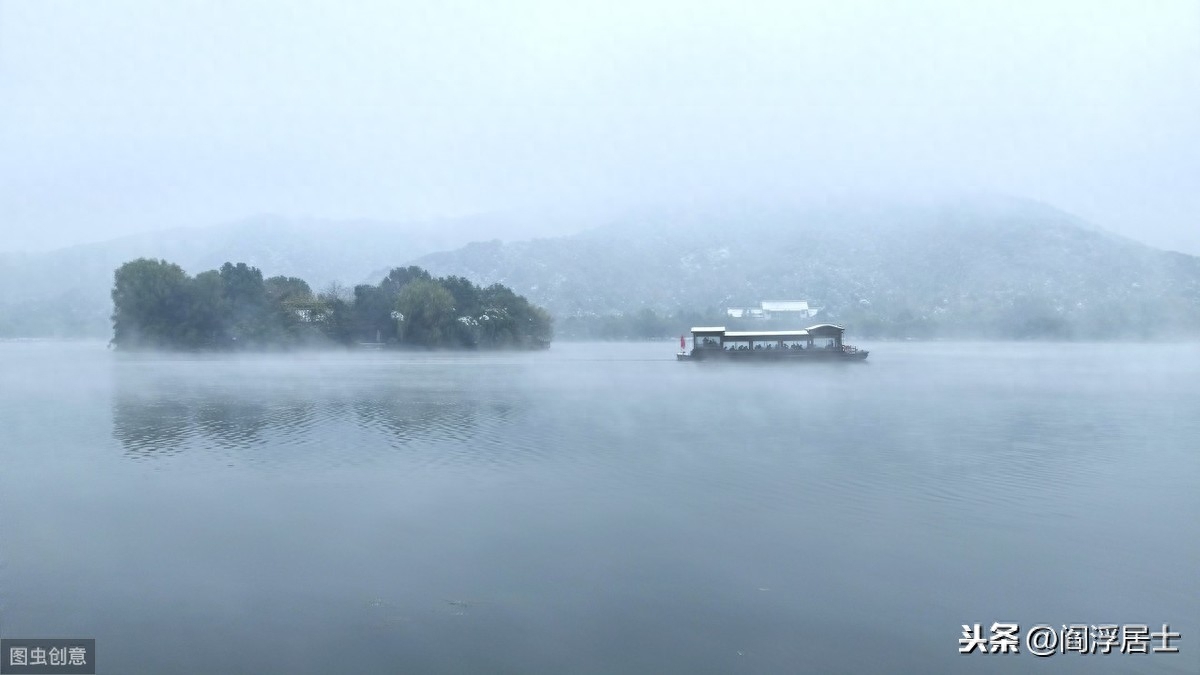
<point>649,324</point>
<point>642,324</point>
<point>1027,318</point>
<point>1005,323</point>
<point>157,304</point>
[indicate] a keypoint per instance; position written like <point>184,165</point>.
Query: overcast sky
<point>118,117</point>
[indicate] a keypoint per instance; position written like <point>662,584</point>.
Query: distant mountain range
<point>979,267</point>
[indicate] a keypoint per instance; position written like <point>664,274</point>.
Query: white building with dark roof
<point>775,309</point>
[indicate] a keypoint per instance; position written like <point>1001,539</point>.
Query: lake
<point>598,508</point>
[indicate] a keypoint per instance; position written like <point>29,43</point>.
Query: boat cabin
<point>716,338</point>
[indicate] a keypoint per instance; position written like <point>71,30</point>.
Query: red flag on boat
<point>682,342</point>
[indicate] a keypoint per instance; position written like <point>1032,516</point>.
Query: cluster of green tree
<point>156,304</point>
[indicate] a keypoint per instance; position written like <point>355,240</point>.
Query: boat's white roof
<point>781,334</point>
<point>766,333</point>
<point>824,326</point>
<point>785,306</point>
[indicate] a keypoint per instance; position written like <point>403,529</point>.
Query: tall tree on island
<point>246,299</point>
<point>425,314</point>
<point>151,299</point>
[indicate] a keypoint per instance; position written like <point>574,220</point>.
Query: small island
<point>157,305</point>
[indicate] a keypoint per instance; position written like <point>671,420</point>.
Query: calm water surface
<point>597,508</point>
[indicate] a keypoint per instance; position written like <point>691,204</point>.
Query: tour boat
<point>822,342</point>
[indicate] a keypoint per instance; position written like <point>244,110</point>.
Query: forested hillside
<point>994,268</point>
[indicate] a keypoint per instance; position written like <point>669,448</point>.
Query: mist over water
<point>932,170</point>
<point>596,508</point>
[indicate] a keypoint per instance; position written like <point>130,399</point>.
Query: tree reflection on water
<point>277,425</point>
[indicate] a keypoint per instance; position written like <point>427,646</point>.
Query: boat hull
<point>774,355</point>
